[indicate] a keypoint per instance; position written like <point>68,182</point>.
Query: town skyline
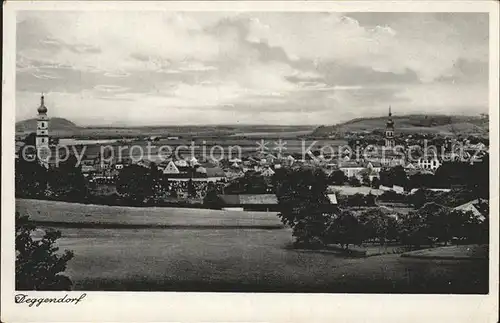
<point>229,68</point>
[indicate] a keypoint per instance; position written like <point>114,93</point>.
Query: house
<point>431,163</point>
<point>259,202</point>
<point>88,169</point>
<point>414,190</point>
<point>478,207</point>
<point>333,198</point>
<point>181,163</point>
<point>351,168</point>
<point>398,189</point>
<point>267,172</point>
<point>247,202</point>
<point>375,166</point>
<point>409,166</point>
<point>193,161</point>
<point>288,160</point>
<point>19,148</point>
<point>171,168</point>
<point>144,163</point>
<point>234,173</point>
<point>215,174</point>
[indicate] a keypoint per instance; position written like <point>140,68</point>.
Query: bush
<point>38,266</point>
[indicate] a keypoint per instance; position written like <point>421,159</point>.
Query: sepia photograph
<point>226,150</point>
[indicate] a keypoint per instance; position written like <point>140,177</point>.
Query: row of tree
<point>32,180</point>
<point>302,198</point>
<point>449,174</point>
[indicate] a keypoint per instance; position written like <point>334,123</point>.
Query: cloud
<point>156,67</point>
<point>421,43</point>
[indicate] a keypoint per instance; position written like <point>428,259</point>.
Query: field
<point>452,252</point>
<point>212,257</point>
<point>351,190</point>
<point>204,149</point>
<point>83,215</point>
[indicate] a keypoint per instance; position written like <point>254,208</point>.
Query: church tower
<point>389,131</point>
<point>42,133</point>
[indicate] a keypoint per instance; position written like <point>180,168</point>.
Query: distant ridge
<point>415,123</point>
<point>56,124</point>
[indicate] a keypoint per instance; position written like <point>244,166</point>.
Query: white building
<point>431,163</point>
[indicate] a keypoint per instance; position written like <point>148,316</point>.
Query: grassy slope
<point>62,212</point>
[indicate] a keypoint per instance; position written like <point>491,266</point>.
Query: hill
<point>442,124</point>
<point>56,124</point>
<point>63,128</point>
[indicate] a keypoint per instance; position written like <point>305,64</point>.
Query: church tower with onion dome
<point>389,131</point>
<point>42,133</point>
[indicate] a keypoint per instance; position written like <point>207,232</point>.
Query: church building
<point>42,134</point>
<point>389,132</point>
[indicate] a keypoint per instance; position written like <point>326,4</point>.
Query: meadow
<point>88,215</point>
<point>228,251</point>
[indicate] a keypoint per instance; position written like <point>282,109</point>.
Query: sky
<point>174,68</point>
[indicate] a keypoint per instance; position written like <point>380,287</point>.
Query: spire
<point>42,108</point>
<point>390,123</point>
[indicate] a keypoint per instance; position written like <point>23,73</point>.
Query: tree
<point>420,198</point>
<point>354,181</point>
<point>413,230</point>
<point>67,181</point>
<point>135,183</point>
<point>30,139</point>
<point>191,189</point>
<point>370,199</point>
<point>394,176</point>
<point>421,180</point>
<point>356,200</point>
<point>30,178</point>
<point>344,229</point>
<point>38,265</point>
<point>338,177</point>
<point>212,199</point>
<point>250,183</point>
<point>301,199</point>
<point>366,180</point>
<point>378,226</point>
<point>159,183</point>
<point>375,182</point>
<point>430,224</point>
<point>391,196</point>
